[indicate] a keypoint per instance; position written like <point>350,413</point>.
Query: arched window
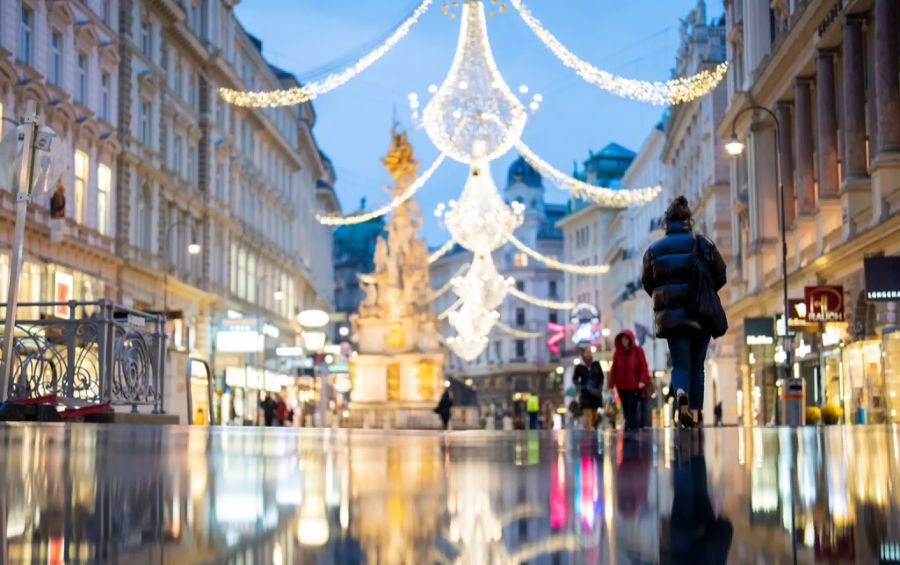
<point>143,224</point>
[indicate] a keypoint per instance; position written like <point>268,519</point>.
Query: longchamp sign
<point>824,303</point>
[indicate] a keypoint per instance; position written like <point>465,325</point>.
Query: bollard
<point>793,402</point>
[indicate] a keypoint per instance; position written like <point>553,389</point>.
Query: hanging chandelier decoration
<point>480,220</point>
<point>482,286</point>
<point>473,320</point>
<point>474,116</point>
<point>467,348</point>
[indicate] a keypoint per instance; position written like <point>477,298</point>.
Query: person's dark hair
<point>678,210</point>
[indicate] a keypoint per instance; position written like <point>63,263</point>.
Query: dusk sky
<point>637,39</point>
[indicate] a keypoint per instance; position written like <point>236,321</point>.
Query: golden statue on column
<point>398,372</point>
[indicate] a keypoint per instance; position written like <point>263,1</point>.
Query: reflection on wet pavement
<point>94,494</point>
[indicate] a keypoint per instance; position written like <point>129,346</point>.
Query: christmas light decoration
<point>543,303</point>
<point>446,313</point>
<point>554,264</point>
<point>441,251</point>
<point>397,201</point>
<point>517,333</point>
<point>314,89</point>
<point>481,221</point>
<point>675,91</point>
<point>474,116</point>
<point>449,284</point>
<point>472,320</point>
<point>482,286</point>
<point>467,348</point>
<point>609,197</point>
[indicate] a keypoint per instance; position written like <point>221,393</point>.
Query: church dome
<point>521,172</point>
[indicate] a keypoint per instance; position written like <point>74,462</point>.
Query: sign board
<point>824,303</point>
<point>239,336</point>
<point>882,278</point>
<point>759,331</point>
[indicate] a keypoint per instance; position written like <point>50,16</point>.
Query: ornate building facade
<point>829,71</point>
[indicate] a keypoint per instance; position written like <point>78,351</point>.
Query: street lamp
<point>735,148</point>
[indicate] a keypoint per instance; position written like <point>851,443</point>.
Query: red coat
<point>629,366</point>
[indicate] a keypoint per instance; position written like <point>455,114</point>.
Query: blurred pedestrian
<point>588,378</point>
<point>533,407</point>
<point>717,412</point>
<point>628,376</point>
<point>281,411</point>
<point>444,408</point>
<point>682,272</point>
<point>267,407</point>
<point>547,412</point>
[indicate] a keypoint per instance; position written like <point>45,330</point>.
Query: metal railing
<point>88,353</point>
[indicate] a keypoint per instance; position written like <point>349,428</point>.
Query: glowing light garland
<point>397,201</point>
<point>446,313</point>
<point>467,348</point>
<point>480,220</point>
<point>554,264</point>
<point>474,116</point>
<point>449,284</point>
<point>441,251</point>
<point>675,91</point>
<point>311,90</point>
<point>517,333</point>
<point>609,197</point>
<point>549,304</point>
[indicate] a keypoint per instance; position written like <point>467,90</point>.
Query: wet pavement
<point>128,494</point>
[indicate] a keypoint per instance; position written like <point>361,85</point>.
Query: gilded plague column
<point>398,372</point>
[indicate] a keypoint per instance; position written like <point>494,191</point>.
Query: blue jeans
<point>533,423</point>
<point>688,354</point>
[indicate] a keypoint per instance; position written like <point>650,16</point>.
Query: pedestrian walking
<point>444,407</point>
<point>588,378</point>
<point>281,411</point>
<point>717,412</point>
<point>682,272</point>
<point>629,376</point>
<point>533,407</point>
<point>267,407</point>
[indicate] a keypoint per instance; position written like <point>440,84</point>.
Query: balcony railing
<point>88,353</point>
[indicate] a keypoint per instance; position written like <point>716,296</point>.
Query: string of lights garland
<point>543,303</point>
<point>517,333</point>
<point>314,89</point>
<point>449,284</point>
<point>446,313</point>
<point>609,197</point>
<point>675,91</point>
<point>554,264</point>
<point>441,251</point>
<point>361,217</point>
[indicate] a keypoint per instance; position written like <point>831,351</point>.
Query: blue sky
<point>635,38</point>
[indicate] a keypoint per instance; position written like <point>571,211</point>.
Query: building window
<point>520,317</point>
<point>552,291</point>
<point>520,349</point>
<point>145,122</point>
<point>1,119</point>
<point>520,260</point>
<point>26,35</point>
<point>82,79</point>
<point>56,58</point>
<point>554,317</point>
<point>176,155</point>
<point>142,218</point>
<point>146,41</point>
<point>80,187</point>
<point>192,164</point>
<point>104,186</point>
<point>105,81</point>
<point>106,12</point>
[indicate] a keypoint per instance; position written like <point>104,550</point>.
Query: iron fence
<point>88,353</point>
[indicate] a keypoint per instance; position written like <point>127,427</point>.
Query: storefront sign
<point>824,303</point>
<point>239,336</point>
<point>831,335</point>
<point>759,331</point>
<point>882,278</point>
<point>63,292</point>
<point>271,331</point>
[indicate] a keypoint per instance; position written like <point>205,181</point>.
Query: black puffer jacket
<point>666,276</point>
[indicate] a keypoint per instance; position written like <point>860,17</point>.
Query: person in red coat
<point>629,375</point>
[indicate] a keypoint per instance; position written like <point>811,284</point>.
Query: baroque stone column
<point>803,147</point>
<point>854,104</point>
<point>826,121</point>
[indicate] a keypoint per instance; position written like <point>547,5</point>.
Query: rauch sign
<point>824,303</point>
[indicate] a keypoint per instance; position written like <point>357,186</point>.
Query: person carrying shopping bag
<point>588,377</point>
<point>629,375</point>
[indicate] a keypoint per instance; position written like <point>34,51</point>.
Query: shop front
<point>760,357</point>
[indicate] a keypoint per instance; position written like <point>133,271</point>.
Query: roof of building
<point>612,150</point>
<point>522,172</point>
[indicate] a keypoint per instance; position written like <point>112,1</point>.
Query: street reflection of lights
<point>277,554</point>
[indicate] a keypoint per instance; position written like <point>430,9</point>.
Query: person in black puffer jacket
<point>666,276</point>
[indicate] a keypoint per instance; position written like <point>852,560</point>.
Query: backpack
<point>704,304</point>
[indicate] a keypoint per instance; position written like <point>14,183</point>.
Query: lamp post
<point>193,248</point>
<point>734,148</point>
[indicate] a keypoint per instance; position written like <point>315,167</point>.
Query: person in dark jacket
<point>444,408</point>
<point>629,375</point>
<point>588,378</point>
<point>666,277</point>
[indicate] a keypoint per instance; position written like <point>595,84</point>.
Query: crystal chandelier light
<point>467,348</point>
<point>482,286</point>
<point>480,220</point>
<point>473,321</point>
<point>474,116</point>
